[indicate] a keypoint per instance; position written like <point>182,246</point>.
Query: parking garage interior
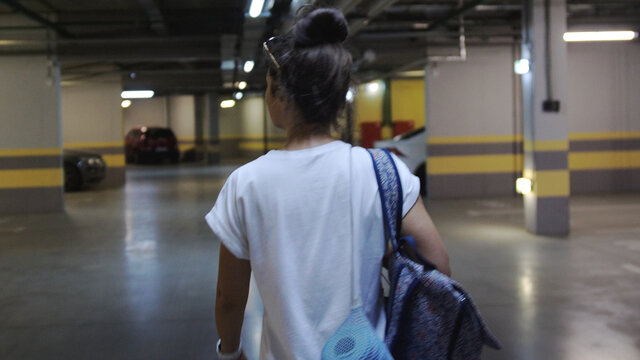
<point>126,267</point>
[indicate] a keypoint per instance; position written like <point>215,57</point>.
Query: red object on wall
<point>370,132</point>
<point>402,126</point>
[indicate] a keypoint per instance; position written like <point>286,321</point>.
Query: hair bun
<point>321,26</point>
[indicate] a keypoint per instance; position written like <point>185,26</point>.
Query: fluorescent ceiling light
<point>248,66</point>
<point>225,104</point>
<point>125,103</point>
<point>521,66</point>
<point>599,36</point>
<point>524,186</point>
<point>242,85</point>
<point>256,8</point>
<point>137,94</point>
<point>373,87</point>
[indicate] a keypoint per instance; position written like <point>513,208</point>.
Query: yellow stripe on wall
<point>31,178</point>
<point>551,183</point>
<point>94,145</point>
<point>546,145</point>
<point>593,160</point>
<point>30,152</point>
<point>474,139</point>
<point>605,135</point>
<point>114,160</point>
<point>254,146</point>
<point>474,164</point>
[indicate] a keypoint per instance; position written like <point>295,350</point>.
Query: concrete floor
<point>130,274</point>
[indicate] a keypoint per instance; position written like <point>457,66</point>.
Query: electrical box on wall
<point>551,106</point>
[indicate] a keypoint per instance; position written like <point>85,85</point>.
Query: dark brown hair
<point>314,67</point>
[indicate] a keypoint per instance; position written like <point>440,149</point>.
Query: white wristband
<point>228,356</point>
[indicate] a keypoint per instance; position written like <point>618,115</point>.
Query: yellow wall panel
<point>30,152</point>
<point>551,183</point>
<point>593,160</point>
<point>368,106</point>
<point>407,101</point>
<point>31,178</point>
<point>114,160</point>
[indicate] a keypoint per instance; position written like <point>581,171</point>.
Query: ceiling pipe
<point>16,6</point>
<point>358,24</point>
<point>459,11</point>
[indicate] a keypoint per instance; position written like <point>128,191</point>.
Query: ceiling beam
<point>16,6</point>
<point>155,16</point>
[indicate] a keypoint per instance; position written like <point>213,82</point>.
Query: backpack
<point>429,315</point>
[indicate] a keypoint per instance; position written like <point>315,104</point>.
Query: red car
<point>146,143</point>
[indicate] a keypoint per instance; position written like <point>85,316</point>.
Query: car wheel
<point>72,178</point>
<point>421,173</point>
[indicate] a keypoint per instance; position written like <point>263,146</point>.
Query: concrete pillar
<point>31,175</point>
<point>207,132</point>
<point>181,116</point>
<point>546,143</point>
<point>92,121</point>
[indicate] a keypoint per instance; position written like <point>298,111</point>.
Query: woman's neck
<point>305,142</point>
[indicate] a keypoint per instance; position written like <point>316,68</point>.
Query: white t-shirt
<point>289,213</point>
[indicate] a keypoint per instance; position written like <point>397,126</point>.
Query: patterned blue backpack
<point>429,316</point>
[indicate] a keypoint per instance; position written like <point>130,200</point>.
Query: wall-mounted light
<point>242,85</point>
<point>524,186</point>
<point>225,104</point>
<point>373,87</point>
<point>256,8</point>
<point>599,36</point>
<point>238,95</point>
<point>521,66</point>
<point>248,66</point>
<point>137,94</point>
<point>125,103</point>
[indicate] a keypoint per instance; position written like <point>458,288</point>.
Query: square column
<point>31,175</point>
<point>544,91</point>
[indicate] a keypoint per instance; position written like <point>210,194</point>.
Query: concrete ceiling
<point>194,46</point>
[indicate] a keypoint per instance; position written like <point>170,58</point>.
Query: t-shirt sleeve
<point>226,221</point>
<point>410,185</point>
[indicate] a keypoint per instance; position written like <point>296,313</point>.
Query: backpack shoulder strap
<point>390,190</point>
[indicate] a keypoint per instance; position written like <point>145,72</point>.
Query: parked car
<point>144,143</point>
<point>411,148</point>
<point>82,168</point>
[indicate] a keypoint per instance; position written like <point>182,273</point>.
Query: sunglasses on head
<point>265,47</point>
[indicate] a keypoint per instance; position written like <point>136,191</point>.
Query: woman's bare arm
<point>231,298</point>
<point>417,223</point>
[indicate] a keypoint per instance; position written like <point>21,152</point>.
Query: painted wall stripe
<point>470,149</point>
<point>604,160</point>
<point>115,160</point>
<point>551,160</point>
<point>605,145</point>
<point>31,178</point>
<point>252,137</point>
<point>605,135</point>
<point>119,144</point>
<point>474,164</point>
<point>474,139</point>
<point>30,152</point>
<point>30,162</point>
<point>258,146</point>
<point>546,145</point>
<point>551,183</point>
